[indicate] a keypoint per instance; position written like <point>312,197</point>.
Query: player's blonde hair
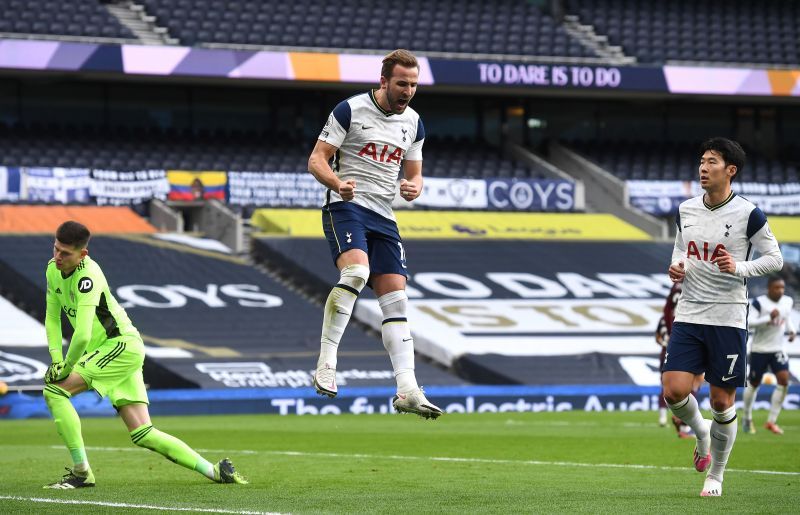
<point>400,56</point>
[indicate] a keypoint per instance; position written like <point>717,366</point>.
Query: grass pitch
<point>477,463</point>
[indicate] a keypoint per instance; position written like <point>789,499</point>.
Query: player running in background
<point>371,137</point>
<point>770,316</point>
<point>717,233</point>
<point>662,339</point>
<point>663,331</point>
<point>106,355</point>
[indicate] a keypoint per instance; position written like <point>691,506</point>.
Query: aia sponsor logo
<point>385,156</point>
<point>702,253</point>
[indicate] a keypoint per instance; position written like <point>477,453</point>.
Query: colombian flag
<point>184,185</point>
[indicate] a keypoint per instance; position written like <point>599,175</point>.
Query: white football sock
<point>397,339</point>
<point>689,411</point>
<point>777,403</point>
<point>338,309</point>
<point>723,435</point>
<point>749,398</point>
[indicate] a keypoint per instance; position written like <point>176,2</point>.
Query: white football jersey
<point>712,297</point>
<point>768,332</point>
<point>372,145</point>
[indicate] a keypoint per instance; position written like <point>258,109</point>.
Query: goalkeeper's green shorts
<point>114,370</point>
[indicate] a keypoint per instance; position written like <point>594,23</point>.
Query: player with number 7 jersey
<point>713,256</point>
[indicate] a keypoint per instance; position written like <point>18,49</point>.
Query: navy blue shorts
<point>350,226</point>
<point>759,361</point>
<point>718,351</point>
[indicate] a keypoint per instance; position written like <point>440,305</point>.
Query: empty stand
<point>669,161</point>
<point>457,26</point>
<point>134,148</point>
<point>736,31</point>
<point>60,17</point>
<point>463,157</point>
<point>138,149</point>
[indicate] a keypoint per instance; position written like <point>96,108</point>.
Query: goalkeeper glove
<point>57,372</point>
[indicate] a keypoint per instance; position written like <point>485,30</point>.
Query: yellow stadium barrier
<point>785,228</point>
<point>466,225</point>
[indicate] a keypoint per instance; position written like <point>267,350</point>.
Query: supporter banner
<point>9,183</point>
<point>362,68</point>
<point>492,73</point>
<point>453,193</point>
<point>189,185</point>
<point>663,197</point>
<point>110,187</point>
<point>303,190</point>
<point>463,399</point>
<point>531,195</point>
<point>274,189</point>
<point>468,225</point>
<point>55,185</point>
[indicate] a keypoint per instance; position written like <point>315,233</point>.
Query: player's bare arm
<point>321,170</point>
<point>411,185</point>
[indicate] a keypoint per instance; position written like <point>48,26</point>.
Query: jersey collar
<point>383,111</point>
<point>721,204</point>
<point>80,266</point>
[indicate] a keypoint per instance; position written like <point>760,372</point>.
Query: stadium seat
<point>669,161</point>
<point>67,17</point>
<point>687,23</point>
<point>450,27</point>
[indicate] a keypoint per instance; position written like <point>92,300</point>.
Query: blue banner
<point>530,195</point>
<point>9,183</point>
<point>274,189</point>
<point>662,198</point>
<point>65,185</point>
<point>539,75</point>
<point>461,399</point>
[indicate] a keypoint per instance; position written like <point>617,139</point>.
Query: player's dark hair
<point>74,234</point>
<point>400,56</point>
<point>773,279</point>
<point>732,153</point>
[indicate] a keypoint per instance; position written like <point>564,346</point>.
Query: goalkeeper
<point>105,355</point>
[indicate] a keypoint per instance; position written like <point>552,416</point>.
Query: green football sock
<point>68,424</point>
<point>171,448</point>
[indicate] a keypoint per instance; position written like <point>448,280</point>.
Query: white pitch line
<point>451,459</point>
<point>132,506</point>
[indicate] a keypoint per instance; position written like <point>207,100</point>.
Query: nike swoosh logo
<point>686,226</point>
<point>727,378</point>
<point>365,128</point>
<point>407,339</point>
